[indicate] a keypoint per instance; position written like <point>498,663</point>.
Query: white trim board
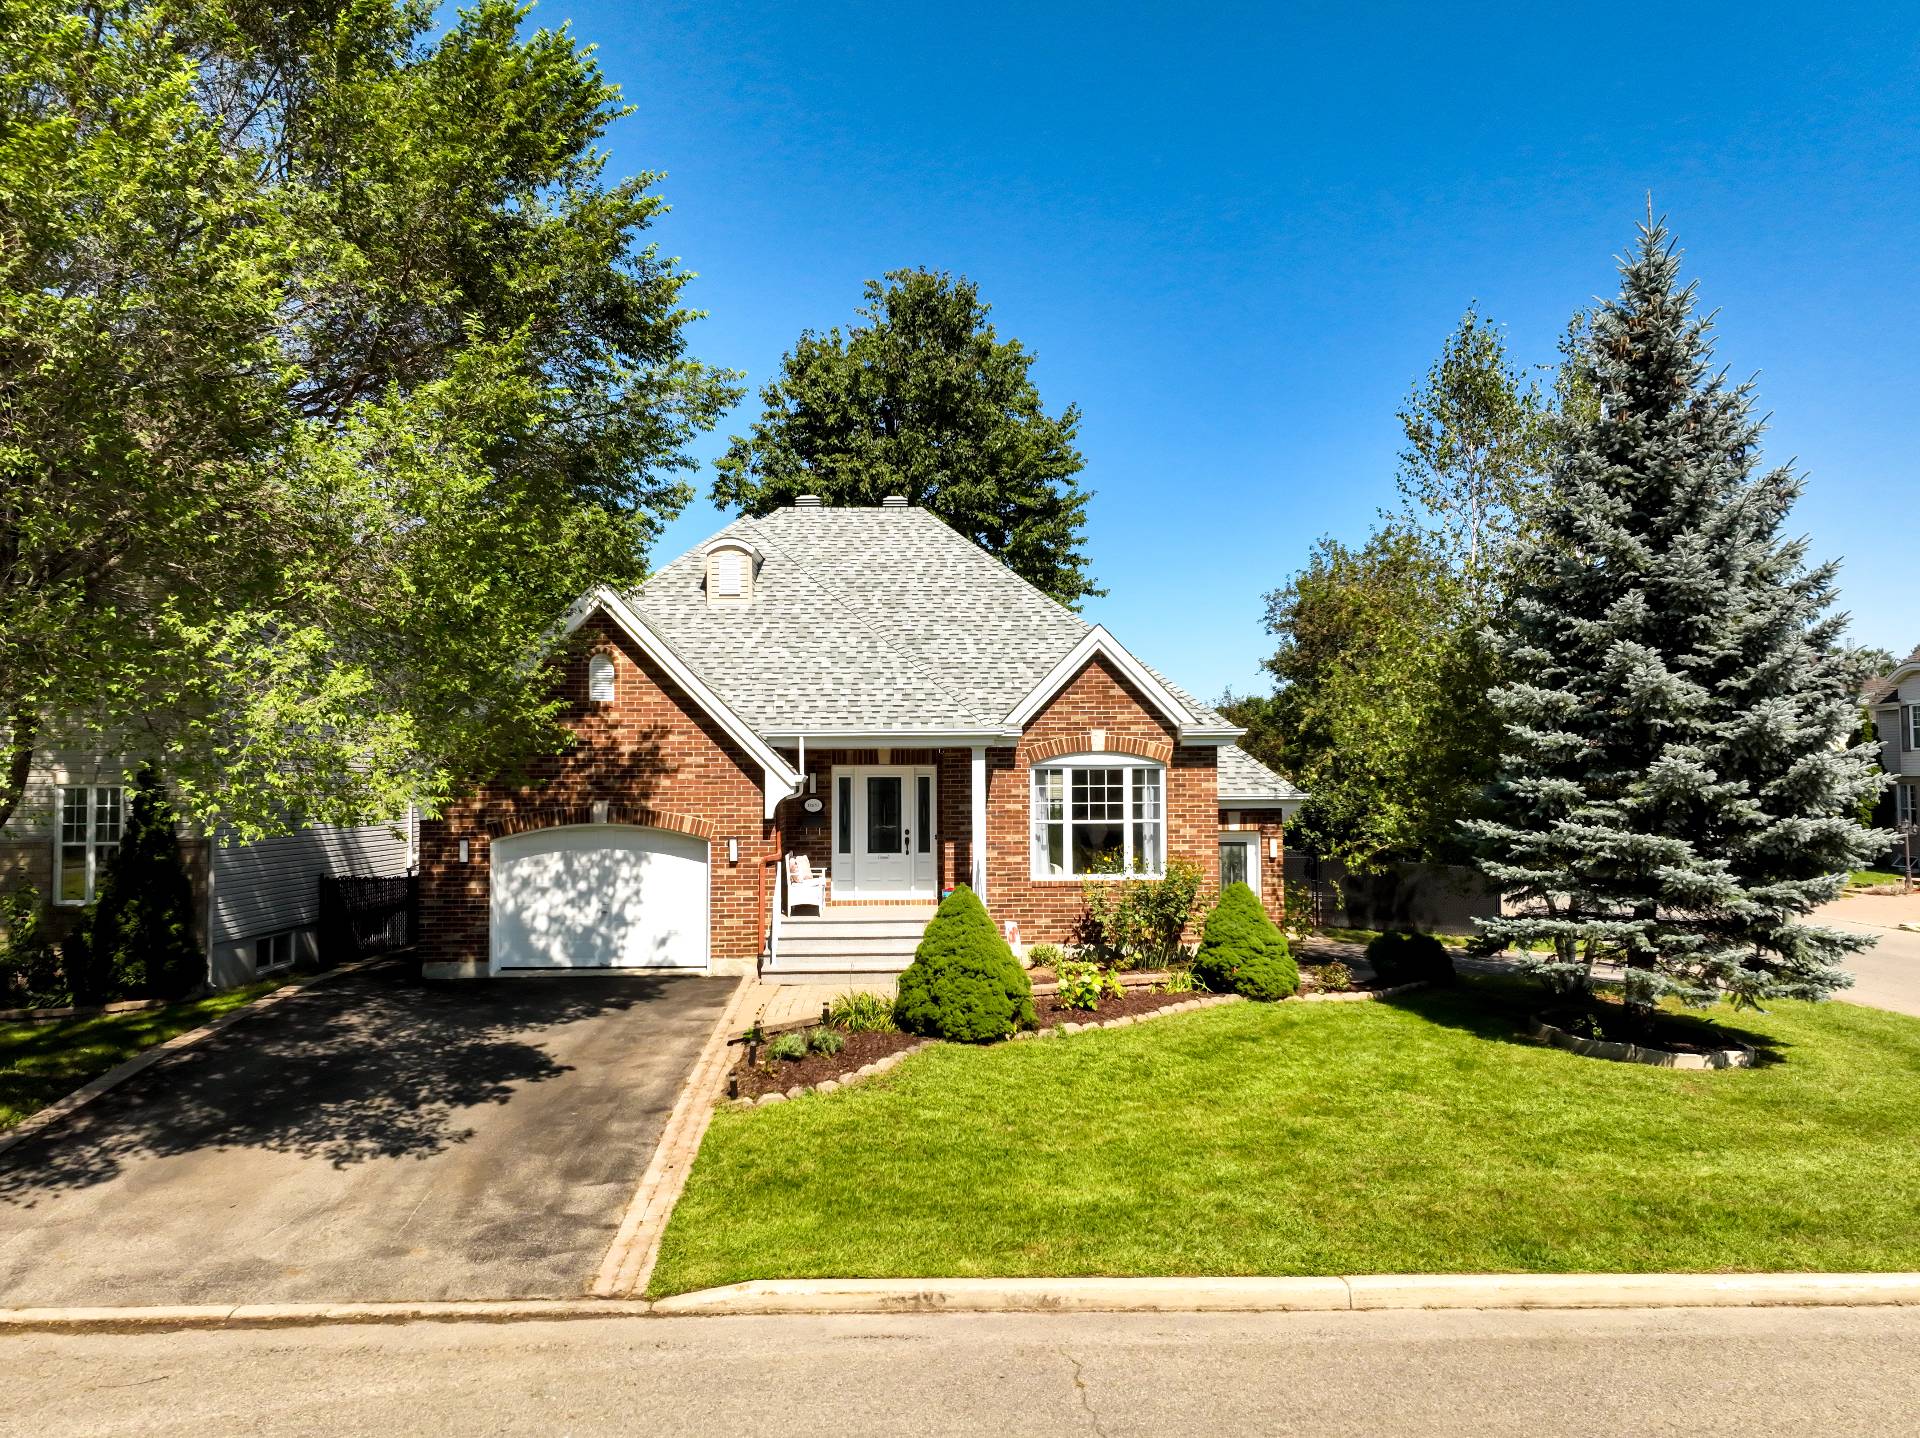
<point>776,773</point>
<point>1098,642</point>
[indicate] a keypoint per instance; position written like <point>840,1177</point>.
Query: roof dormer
<point>731,566</point>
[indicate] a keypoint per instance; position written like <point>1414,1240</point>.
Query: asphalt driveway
<point>373,1138</point>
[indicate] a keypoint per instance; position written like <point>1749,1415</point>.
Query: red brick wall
<point>1097,698</point>
<point>1267,823</point>
<point>655,757</point>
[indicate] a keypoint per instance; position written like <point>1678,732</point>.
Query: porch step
<point>816,948</point>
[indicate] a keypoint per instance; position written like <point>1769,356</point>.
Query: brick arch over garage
<point>553,816</point>
<point>1133,745</point>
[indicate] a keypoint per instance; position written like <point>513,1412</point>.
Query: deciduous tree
<point>922,398</point>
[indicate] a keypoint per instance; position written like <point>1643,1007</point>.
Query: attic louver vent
<point>728,566</point>
<point>600,679</point>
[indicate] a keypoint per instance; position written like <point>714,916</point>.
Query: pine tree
<point>141,936</point>
<point>1676,789</point>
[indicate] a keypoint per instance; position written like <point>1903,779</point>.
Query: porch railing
<point>771,906</point>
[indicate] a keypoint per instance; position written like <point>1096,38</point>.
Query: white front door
<point>885,843</point>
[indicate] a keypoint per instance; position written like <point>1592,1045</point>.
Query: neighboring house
<point>1894,702</point>
<point>866,690</point>
<point>258,902</point>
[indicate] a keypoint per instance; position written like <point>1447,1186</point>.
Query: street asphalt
<point>1887,976</point>
<point>1745,1372</point>
<point>371,1138</point>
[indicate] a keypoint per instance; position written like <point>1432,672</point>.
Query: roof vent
<point>894,501</point>
<point>806,501</point>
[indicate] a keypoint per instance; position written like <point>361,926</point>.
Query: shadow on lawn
<point>1498,1009</point>
<point>371,1065</point>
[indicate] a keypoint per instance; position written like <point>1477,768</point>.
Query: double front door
<point>884,824</point>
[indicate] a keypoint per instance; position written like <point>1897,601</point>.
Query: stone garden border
<point>1198,1001</point>
<point>1739,1056</point>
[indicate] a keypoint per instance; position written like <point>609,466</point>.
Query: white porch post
<point>977,845</point>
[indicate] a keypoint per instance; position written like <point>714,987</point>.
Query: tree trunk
<point>23,733</point>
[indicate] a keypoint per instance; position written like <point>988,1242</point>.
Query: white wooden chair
<point>804,886</point>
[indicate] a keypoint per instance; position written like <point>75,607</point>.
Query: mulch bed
<point>1051,1012</point>
<point>779,1075</point>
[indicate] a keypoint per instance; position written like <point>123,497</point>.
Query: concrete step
<point>833,945</point>
<point>843,972</point>
<point>856,928</point>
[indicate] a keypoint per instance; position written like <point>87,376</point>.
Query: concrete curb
<point>629,1259</point>
<point>1284,1295</point>
<point>62,1108</point>
<point>768,1297</point>
<point>307,1315</point>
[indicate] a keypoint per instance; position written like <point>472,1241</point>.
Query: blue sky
<point>1235,236</point>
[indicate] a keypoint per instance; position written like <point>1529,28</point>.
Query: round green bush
<point>964,983</point>
<point>1398,957</point>
<point>1242,951</point>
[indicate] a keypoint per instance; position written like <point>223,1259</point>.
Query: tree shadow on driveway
<point>373,1065</point>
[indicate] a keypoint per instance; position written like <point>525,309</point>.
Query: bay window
<point>1103,814</point>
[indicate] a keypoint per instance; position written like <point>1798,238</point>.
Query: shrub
<point>1046,956</point>
<point>862,1014</point>
<point>790,1045</point>
<point>1110,985</point>
<point>140,939</point>
<point>824,1040</point>
<point>1179,981</point>
<point>1241,951</point>
<point>1398,957</point>
<point>1080,985</point>
<point>29,963</point>
<point>964,983</point>
<point>1131,922</point>
<point>1334,978</point>
<point>1268,975</point>
<point>1485,946</point>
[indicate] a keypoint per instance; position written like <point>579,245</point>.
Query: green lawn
<point>1861,878</point>
<point>1423,1135</point>
<point>42,1062</point>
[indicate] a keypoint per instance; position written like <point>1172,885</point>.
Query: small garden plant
<point>1242,951</point>
<point>789,1046</point>
<point>823,1040</point>
<point>964,983</point>
<point>1081,985</point>
<point>862,1013</point>
<point>1333,978</point>
<point>1046,956</point>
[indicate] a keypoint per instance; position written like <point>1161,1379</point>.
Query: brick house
<point>795,738</point>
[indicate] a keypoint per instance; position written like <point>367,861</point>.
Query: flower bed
<point>770,1075</point>
<point>1662,1049</point>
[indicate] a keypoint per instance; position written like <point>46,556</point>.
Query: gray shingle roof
<point>1244,777</point>
<point>868,619</point>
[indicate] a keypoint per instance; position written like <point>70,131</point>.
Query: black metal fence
<point>360,918</point>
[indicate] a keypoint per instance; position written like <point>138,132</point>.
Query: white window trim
<point>274,938</point>
<point>1248,839</point>
<point>1067,762</point>
<point>91,842</point>
<point>1912,713</point>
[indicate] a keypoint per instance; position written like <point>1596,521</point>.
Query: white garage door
<point>599,896</point>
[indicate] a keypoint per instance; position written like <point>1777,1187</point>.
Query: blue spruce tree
<point>1677,789</point>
